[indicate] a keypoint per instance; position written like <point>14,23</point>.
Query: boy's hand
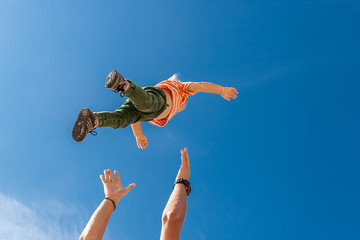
<point>113,187</point>
<point>141,141</point>
<point>184,171</point>
<point>228,92</point>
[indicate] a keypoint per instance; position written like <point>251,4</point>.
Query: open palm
<point>141,141</point>
<point>113,187</point>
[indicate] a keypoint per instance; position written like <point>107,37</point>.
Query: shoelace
<point>90,125</point>
<point>120,89</point>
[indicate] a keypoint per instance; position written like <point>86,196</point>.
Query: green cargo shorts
<point>143,104</point>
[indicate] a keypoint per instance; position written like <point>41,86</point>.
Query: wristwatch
<point>186,184</point>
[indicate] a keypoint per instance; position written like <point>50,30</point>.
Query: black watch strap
<point>186,184</point>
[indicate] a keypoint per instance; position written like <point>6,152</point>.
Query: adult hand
<point>228,92</point>
<point>141,141</point>
<point>184,171</point>
<point>113,187</point>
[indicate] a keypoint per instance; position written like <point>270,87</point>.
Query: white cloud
<point>36,222</point>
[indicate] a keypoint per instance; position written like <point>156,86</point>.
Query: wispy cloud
<point>36,222</point>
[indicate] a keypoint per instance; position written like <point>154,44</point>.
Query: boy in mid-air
<point>156,105</point>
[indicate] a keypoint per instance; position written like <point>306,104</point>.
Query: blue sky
<point>279,162</point>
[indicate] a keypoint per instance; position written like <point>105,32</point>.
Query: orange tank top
<point>179,93</point>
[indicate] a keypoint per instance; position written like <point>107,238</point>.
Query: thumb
<point>128,188</point>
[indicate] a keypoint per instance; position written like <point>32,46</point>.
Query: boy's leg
<point>144,104</point>
<point>122,117</point>
<point>87,121</point>
<point>147,100</point>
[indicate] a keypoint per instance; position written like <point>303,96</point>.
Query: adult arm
<point>141,139</point>
<point>114,190</point>
<point>175,211</point>
<point>225,92</point>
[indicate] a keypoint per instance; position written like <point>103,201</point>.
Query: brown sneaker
<point>84,124</point>
<point>116,82</point>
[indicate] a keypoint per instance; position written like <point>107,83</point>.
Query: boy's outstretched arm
<point>225,92</point>
<point>141,139</point>
<point>113,190</point>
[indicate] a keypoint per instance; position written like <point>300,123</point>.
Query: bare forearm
<point>177,201</point>
<point>205,87</point>
<point>136,128</point>
<point>225,92</point>
<point>96,226</point>
<point>174,214</point>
